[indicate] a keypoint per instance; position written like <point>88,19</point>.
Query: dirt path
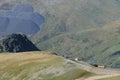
<point>101,73</point>
<point>101,77</point>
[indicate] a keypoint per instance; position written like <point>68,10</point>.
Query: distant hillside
<point>39,66</point>
<point>88,29</point>
<point>16,43</point>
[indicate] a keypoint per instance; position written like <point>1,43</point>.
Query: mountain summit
<point>17,43</point>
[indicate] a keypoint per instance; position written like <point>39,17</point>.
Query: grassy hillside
<point>94,45</point>
<point>74,16</point>
<point>38,65</point>
<point>88,29</point>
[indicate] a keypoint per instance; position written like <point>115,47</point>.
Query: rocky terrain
<point>16,43</point>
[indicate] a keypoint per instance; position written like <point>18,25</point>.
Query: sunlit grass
<point>38,65</point>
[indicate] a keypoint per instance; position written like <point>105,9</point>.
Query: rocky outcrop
<point>17,43</point>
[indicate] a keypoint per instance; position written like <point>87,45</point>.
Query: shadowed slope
<point>17,43</point>
<point>19,18</point>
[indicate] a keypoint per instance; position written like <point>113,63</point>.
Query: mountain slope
<point>88,29</point>
<point>78,29</point>
<point>39,65</point>
<point>75,16</point>
<point>100,46</point>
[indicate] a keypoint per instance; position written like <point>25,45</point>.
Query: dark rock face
<point>17,43</point>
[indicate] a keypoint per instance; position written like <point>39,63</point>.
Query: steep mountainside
<point>16,43</point>
<point>88,29</point>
